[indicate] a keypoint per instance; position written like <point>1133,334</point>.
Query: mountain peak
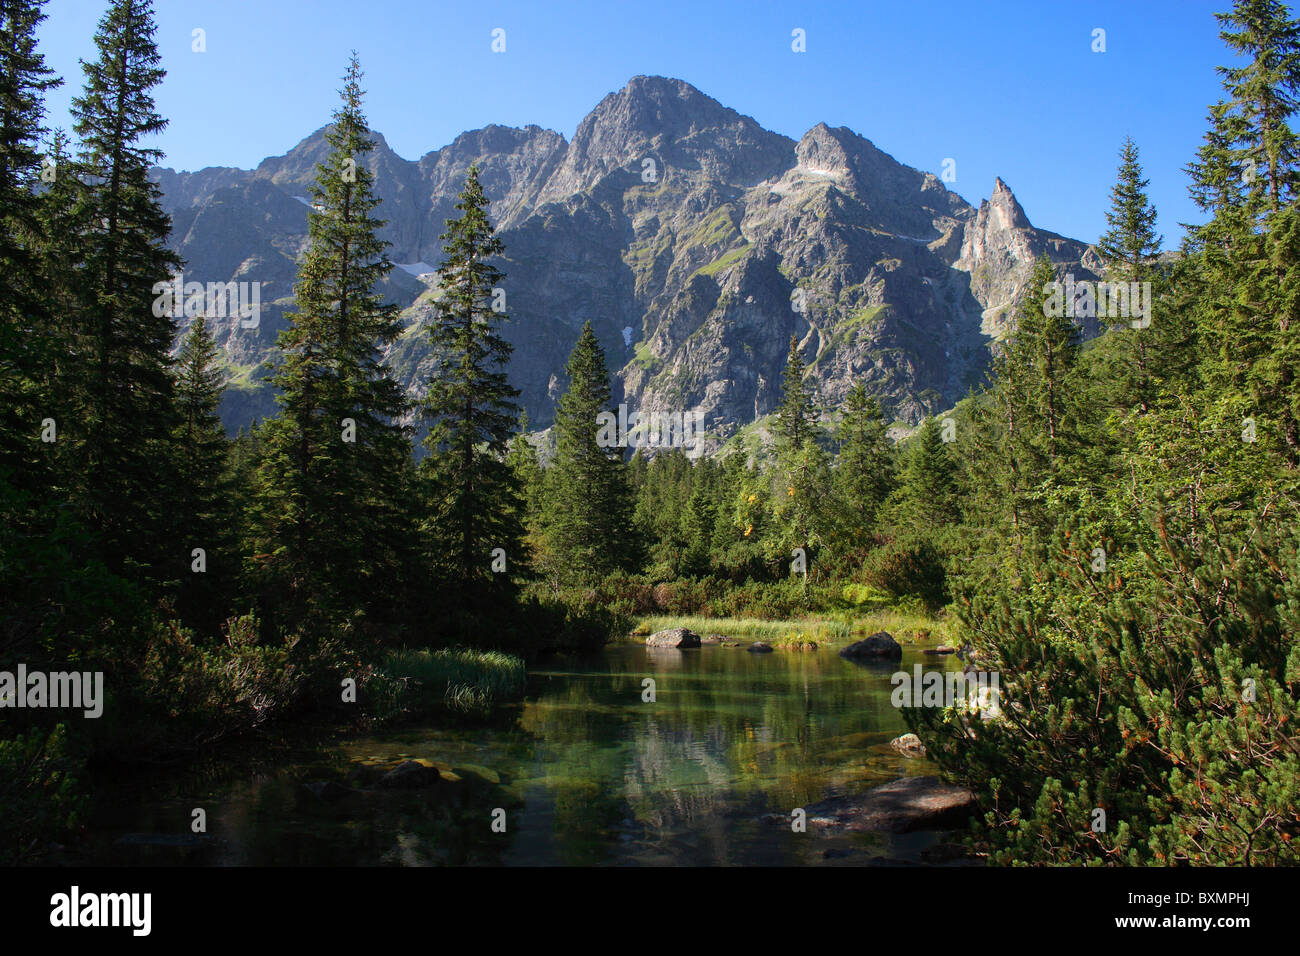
<point>824,151</point>
<point>673,123</point>
<point>651,106</point>
<point>1005,208</point>
<point>495,138</point>
<point>656,86</point>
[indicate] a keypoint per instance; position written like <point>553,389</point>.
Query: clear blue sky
<point>1006,88</point>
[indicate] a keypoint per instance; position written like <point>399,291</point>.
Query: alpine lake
<point>586,770</point>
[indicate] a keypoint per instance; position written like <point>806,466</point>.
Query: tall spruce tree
<point>122,435</point>
<point>1039,359</point>
<point>65,293</point>
<point>1023,436</point>
<point>803,478</point>
<point>201,496</point>
<point>27,345</point>
<point>698,520</point>
<point>1248,177</point>
<point>1130,244</point>
<point>471,490</point>
<point>1129,248</point>
<point>865,468</point>
<point>588,521</point>
<point>1263,91</point>
<point>796,416</point>
<point>46,586</point>
<point>929,482</point>
<point>524,465</point>
<point>331,526</point>
<point>522,458</point>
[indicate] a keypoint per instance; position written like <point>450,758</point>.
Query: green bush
<point>1181,725</point>
<point>768,601</point>
<point>856,595</point>
<point>40,799</point>
<point>909,568</point>
<point>580,625</point>
<point>205,693</point>
<point>540,621</point>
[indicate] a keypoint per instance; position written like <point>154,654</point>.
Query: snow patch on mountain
<point>416,268</point>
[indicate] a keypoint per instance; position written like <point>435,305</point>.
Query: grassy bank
<point>903,624</point>
<point>461,680</point>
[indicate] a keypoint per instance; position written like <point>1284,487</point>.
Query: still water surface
<point>586,771</point>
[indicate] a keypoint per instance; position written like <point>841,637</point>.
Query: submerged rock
<point>903,806</point>
<point>328,790</point>
<point>948,853</point>
<point>879,646</point>
<point>168,841</point>
<point>713,639</point>
<point>760,647</point>
<point>486,774</point>
<point>909,744</point>
<point>410,775</point>
<point>673,637</point>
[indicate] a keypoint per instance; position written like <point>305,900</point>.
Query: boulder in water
<point>879,646</point>
<point>673,637</point>
<point>908,744</point>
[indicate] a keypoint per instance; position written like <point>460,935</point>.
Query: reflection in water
<point>585,770</point>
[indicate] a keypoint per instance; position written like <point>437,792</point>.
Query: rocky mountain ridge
<point>694,240</point>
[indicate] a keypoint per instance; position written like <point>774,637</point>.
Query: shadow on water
<point>584,771</point>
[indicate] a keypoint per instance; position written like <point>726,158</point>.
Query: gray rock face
<point>904,806</point>
<point>695,241</point>
<point>998,250</point>
<point>879,646</point>
<point>673,637</point>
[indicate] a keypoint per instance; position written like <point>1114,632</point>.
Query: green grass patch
<point>644,358</point>
<point>774,632</point>
<point>719,230</point>
<point>242,377</point>
<point>864,316</point>
<point>460,679</point>
<point>913,624</point>
<point>841,628</point>
<point>728,259</point>
<point>801,641</point>
<point>641,256</point>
